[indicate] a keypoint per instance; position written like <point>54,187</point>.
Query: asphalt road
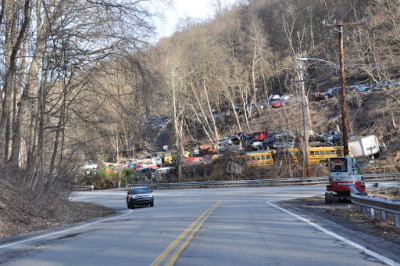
<point>240,226</point>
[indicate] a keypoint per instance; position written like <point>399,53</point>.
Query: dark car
<point>139,196</point>
<point>335,138</point>
<point>144,174</point>
<point>269,140</point>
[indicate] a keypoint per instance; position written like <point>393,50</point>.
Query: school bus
<point>252,159</point>
<point>317,154</point>
<point>322,154</point>
<point>262,158</point>
<point>288,155</point>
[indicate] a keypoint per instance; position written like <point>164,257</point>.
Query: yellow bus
<point>317,154</point>
<point>261,158</point>
<point>288,155</point>
<point>322,154</point>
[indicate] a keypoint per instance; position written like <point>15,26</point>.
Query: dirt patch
<point>14,223</point>
<point>23,211</point>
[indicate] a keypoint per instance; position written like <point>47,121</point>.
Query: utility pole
<point>339,28</point>
<point>304,108</point>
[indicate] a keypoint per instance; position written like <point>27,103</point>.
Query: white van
<point>157,161</point>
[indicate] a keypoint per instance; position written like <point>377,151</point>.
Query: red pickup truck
<point>318,96</point>
<point>259,135</point>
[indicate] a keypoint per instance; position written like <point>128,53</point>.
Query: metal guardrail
<point>83,188</point>
<point>373,204</point>
<point>370,176</point>
<point>263,182</point>
<point>237,183</point>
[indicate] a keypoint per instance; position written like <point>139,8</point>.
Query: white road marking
<point>62,232</point>
<point>345,240</point>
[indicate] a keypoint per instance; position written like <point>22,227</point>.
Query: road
<point>240,226</point>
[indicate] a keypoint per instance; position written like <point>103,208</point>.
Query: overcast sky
<point>197,9</point>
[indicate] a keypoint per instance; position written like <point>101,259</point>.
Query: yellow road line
<point>175,256</point>
<point>165,253</point>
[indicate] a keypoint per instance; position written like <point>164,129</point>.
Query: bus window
<point>311,153</point>
<point>253,158</point>
<point>333,152</point>
<point>268,157</point>
<point>338,152</point>
<point>258,158</point>
<point>262,157</point>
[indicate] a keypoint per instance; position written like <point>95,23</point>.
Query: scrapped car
<point>259,135</point>
<point>162,173</point>
<point>269,140</point>
<point>284,144</point>
<point>335,138</point>
<point>331,92</point>
<point>274,97</point>
<point>225,141</point>
<point>262,105</point>
<point>157,161</point>
<point>139,196</point>
<point>319,96</point>
<point>362,88</point>
<point>144,173</point>
<point>276,104</point>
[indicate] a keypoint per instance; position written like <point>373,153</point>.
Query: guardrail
<point>83,188</point>
<point>238,183</point>
<point>377,204</point>
<point>380,176</point>
<point>264,182</point>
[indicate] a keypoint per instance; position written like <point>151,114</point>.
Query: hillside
<point>97,104</point>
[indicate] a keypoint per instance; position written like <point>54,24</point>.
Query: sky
<point>196,9</point>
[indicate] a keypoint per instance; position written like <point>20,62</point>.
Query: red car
<point>276,104</point>
<point>142,165</point>
<point>318,96</point>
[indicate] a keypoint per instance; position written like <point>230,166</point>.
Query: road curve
<point>241,226</point>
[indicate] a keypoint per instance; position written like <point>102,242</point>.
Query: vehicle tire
<point>152,204</point>
<point>329,198</point>
<point>129,205</point>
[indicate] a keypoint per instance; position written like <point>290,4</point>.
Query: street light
<point>300,61</point>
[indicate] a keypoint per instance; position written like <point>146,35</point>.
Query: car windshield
<point>141,190</point>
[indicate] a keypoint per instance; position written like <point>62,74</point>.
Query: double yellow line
<point>202,218</point>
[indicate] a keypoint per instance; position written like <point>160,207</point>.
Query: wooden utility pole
<point>339,28</point>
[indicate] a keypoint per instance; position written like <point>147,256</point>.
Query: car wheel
<point>129,205</point>
<point>152,204</point>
